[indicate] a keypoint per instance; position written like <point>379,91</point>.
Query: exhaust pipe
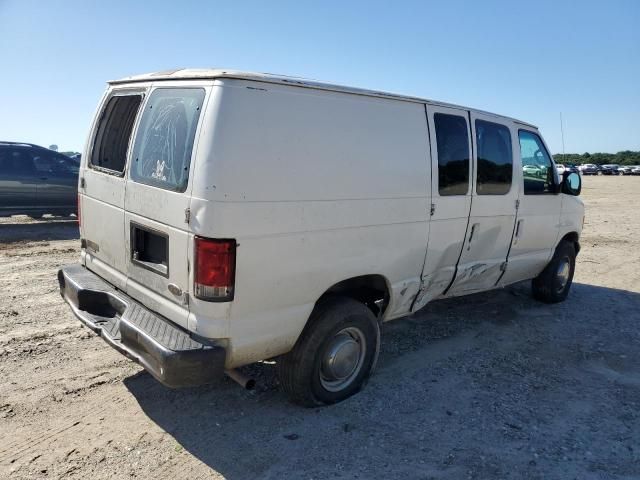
<point>245,382</point>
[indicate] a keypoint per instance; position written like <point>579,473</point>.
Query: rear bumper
<point>168,352</point>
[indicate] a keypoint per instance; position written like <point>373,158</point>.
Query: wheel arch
<point>572,237</point>
<point>373,290</point>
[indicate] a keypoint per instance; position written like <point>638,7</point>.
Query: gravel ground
<point>493,385</point>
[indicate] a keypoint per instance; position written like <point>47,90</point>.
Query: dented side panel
<point>316,187</point>
<point>491,223</point>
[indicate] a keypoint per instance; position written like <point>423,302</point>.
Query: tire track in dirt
<point>14,451</point>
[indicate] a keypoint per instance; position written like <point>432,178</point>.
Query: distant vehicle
<point>35,180</point>
<point>560,168</point>
<point>533,171</point>
<point>570,167</point>
<point>588,169</point>
<point>624,170</point>
<point>608,169</point>
<point>635,170</point>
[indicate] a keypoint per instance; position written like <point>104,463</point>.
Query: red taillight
<point>78,214</point>
<point>215,269</point>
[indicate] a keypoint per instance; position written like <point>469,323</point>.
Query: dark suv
<point>35,180</point>
<point>608,170</point>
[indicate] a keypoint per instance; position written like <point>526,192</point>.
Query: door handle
<point>519,228</point>
<point>473,231</point>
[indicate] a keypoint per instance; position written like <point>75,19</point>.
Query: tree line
<point>626,157</point>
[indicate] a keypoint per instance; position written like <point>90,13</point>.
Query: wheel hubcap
<point>563,273</point>
<point>342,359</point>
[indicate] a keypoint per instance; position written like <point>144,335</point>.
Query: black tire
<point>301,370</point>
<point>551,286</point>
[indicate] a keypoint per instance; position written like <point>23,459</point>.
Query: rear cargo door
<point>102,185</point>
<point>157,199</point>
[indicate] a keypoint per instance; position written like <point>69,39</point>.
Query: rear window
<point>114,132</point>
<point>164,141</point>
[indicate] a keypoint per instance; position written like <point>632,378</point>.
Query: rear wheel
<point>334,356</point>
<point>554,283</point>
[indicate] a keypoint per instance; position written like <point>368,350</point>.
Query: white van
<point>231,217</point>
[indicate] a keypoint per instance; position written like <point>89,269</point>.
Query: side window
<point>16,162</point>
<point>53,164</point>
<point>114,132</point>
<point>537,167</point>
<point>164,141</point>
<point>65,165</point>
<point>42,162</point>
<point>495,158</point>
<point>5,161</point>
<point>452,139</point>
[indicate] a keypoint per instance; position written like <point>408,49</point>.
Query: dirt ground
<point>494,385</point>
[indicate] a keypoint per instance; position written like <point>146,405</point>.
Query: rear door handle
<point>519,228</point>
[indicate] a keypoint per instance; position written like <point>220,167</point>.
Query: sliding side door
<point>493,207</point>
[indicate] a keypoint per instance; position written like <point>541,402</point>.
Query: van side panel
<point>316,187</point>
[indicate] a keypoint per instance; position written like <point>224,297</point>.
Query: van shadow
<point>440,376</point>
<point>20,229</point>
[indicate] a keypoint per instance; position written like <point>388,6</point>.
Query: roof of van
<point>212,73</point>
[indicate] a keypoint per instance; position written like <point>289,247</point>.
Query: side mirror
<point>571,183</point>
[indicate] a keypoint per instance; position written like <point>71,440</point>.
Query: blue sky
<point>531,60</point>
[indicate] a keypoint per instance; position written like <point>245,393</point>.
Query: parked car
<point>533,171</point>
<point>608,169</point>
<point>35,180</point>
<point>624,170</point>
<point>588,169</point>
<point>251,217</point>
<point>635,170</point>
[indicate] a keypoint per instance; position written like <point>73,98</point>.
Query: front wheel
<point>334,355</point>
<point>554,283</point>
